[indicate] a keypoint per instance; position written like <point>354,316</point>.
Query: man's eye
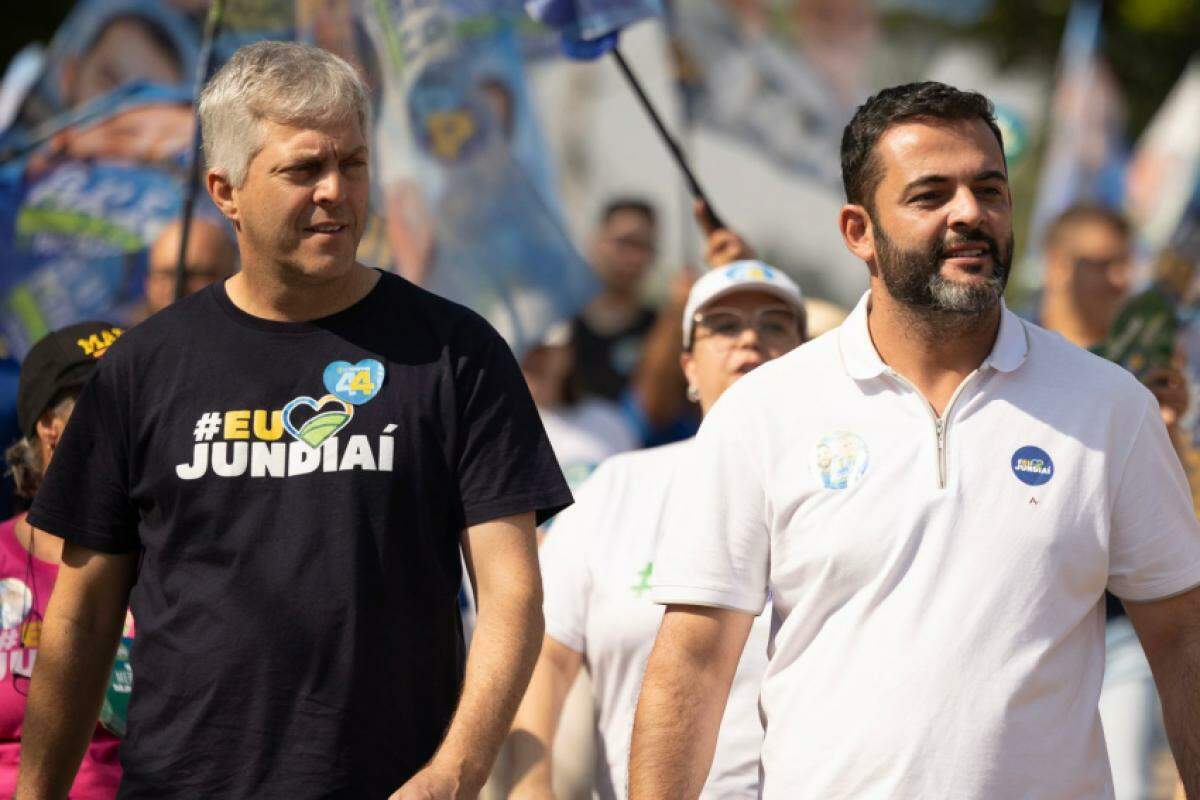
<point>925,197</point>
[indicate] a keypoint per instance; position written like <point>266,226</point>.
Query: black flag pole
<point>672,145</point>
<point>212,28</point>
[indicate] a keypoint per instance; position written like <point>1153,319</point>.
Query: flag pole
<point>212,28</point>
<point>693,184</point>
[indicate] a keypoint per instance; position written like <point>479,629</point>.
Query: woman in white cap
<point>598,559</point>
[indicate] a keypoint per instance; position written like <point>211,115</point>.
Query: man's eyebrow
<point>299,160</point>
<point>925,179</point>
<point>991,175</point>
<point>361,150</point>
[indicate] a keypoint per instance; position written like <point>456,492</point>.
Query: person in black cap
<point>51,376</point>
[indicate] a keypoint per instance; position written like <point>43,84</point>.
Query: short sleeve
<point>566,578</point>
<point>85,496</point>
<point>715,546</point>
<point>1154,546</point>
<point>505,464</point>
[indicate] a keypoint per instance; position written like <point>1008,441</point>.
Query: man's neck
<point>265,294</point>
<point>611,312</point>
<point>1061,314</point>
<point>935,354</point>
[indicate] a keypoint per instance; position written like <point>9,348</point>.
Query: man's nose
<point>965,209</point>
<point>330,188</point>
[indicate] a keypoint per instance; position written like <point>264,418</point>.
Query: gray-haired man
<point>282,468</point>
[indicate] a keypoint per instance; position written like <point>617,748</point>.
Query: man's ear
<point>857,231</point>
<point>221,192</point>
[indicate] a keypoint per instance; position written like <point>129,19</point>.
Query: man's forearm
<point>1177,674</point>
<point>73,666</point>
<point>680,708</point>
<point>504,647</point>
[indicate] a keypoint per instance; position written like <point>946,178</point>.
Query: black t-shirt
<point>605,362</point>
<point>297,492</point>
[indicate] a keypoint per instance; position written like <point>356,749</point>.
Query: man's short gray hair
<point>284,82</point>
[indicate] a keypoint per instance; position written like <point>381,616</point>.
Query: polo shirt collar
<point>862,361</point>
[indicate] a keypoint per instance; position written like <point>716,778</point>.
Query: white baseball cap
<point>736,277</point>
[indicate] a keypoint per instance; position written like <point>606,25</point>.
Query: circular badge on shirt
<point>839,460</point>
<point>1032,465</point>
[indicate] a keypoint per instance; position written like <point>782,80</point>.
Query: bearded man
<point>935,497</point>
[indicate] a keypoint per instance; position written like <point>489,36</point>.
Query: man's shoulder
<point>445,319</point>
<point>165,331</point>
<point>1077,372</point>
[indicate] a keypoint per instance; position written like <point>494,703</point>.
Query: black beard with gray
<point>914,279</point>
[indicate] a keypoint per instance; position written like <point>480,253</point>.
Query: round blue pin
<point>1032,465</point>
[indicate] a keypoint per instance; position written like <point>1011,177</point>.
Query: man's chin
<point>966,297</point>
<point>322,270</point>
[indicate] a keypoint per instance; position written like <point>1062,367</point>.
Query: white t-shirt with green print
<point>596,568</point>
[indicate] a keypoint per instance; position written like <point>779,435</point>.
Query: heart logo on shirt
<point>323,424</point>
<point>354,383</point>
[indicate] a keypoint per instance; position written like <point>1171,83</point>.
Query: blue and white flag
<point>589,20</point>
<point>466,187</point>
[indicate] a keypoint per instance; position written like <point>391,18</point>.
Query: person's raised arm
<point>75,656</point>
<point>1170,634</point>
<point>501,557</point>
<point>658,385</point>
<point>683,699</point>
<point>531,742</point>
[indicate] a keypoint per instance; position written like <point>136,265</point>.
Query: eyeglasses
<point>776,326</point>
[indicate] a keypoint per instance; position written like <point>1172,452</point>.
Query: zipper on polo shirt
<point>940,424</point>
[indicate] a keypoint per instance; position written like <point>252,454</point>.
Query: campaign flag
<point>787,93</point>
<point>91,166</point>
<point>1165,166</point>
<point>468,195</point>
<point>590,20</point>
<point>1085,153</point>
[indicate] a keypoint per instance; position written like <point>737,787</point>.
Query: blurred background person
<point>583,430</point>
<point>1088,273</point>
<point>610,333</point>
<point>597,560</point>
<point>655,400</point>
<point>211,257</point>
<point>52,374</point>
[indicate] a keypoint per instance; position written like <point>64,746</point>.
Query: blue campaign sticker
<point>1032,465</point>
<point>354,383</point>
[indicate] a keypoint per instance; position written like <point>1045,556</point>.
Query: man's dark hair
<point>1086,212</point>
<point>861,170</point>
<point>635,205</point>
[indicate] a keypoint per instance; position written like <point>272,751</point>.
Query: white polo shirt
<point>597,562</point>
<point>936,583</point>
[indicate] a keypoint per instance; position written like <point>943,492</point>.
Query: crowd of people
<point>925,548</point>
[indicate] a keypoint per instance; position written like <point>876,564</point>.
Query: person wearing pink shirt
<point>51,376</point>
